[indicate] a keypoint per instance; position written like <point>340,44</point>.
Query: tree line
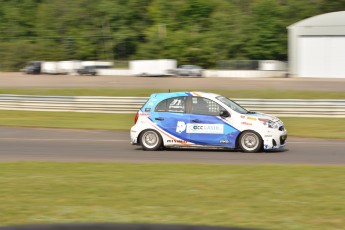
<point>192,31</point>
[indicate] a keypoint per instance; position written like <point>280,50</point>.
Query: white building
<point>317,46</point>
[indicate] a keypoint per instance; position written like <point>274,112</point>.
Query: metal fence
<point>279,107</point>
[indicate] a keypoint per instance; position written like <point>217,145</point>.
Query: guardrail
<point>100,104</point>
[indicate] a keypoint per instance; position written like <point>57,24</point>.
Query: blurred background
<point>202,32</point>
<point>62,155</point>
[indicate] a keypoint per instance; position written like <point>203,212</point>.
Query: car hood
<point>260,116</point>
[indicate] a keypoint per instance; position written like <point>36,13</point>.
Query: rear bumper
<point>134,136</point>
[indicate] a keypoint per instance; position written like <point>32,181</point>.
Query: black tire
<point>150,140</point>
<point>250,142</point>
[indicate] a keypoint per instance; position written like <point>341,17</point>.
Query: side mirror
<point>224,114</point>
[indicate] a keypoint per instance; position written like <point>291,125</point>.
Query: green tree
<point>127,22</point>
<point>69,25</point>
<point>191,31</point>
<point>266,32</point>
<point>331,6</point>
<point>296,10</point>
<point>226,37</point>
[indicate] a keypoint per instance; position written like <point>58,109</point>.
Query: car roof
<point>181,94</point>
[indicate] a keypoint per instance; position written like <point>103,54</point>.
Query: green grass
<point>302,127</point>
<point>243,196</point>
<point>315,127</point>
<point>266,94</point>
<point>69,120</point>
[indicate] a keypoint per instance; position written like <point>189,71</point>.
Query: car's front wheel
<point>150,140</point>
<point>250,142</point>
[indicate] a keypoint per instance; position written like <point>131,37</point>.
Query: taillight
<point>136,118</point>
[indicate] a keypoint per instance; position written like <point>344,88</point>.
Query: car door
<point>170,116</point>
<point>206,127</point>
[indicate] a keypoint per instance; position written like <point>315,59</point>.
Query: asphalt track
<point>35,144</point>
<point>63,145</point>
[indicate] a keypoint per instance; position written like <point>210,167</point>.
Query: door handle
<point>196,121</point>
<point>159,118</point>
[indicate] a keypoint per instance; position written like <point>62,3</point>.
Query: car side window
<point>205,106</point>
<point>174,105</point>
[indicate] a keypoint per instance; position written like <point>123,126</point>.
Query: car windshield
<point>233,105</point>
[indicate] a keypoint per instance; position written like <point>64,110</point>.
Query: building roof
<point>323,20</point>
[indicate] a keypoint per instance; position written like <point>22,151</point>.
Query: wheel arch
<point>149,129</point>
<point>247,130</point>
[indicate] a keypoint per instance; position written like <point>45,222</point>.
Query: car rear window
<point>174,105</point>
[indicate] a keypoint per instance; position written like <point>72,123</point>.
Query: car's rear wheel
<point>250,142</point>
<point>150,140</point>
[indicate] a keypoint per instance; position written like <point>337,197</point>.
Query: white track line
<point>50,139</point>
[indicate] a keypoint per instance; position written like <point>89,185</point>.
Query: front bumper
<point>275,141</point>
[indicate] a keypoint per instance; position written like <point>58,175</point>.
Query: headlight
<point>270,124</point>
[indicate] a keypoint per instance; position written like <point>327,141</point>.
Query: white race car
<point>198,119</point>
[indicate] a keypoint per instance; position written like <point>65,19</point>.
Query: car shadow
<point>275,151</point>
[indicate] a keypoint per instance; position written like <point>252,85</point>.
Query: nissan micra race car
<point>197,119</point>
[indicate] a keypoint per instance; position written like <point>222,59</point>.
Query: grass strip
<point>315,127</point>
<point>265,196</point>
<point>264,94</point>
<point>68,120</point>
<point>302,127</point>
